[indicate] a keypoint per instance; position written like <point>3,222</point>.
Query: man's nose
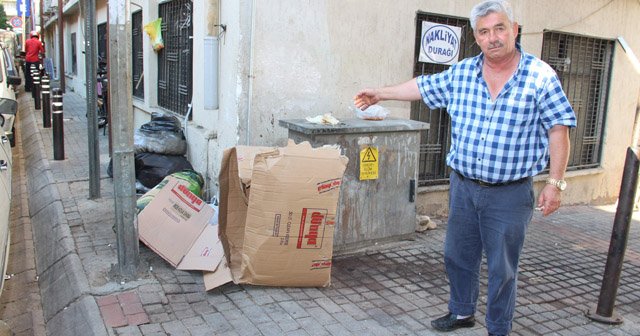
<point>493,36</point>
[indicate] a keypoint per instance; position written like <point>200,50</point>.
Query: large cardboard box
<point>183,230</point>
<point>278,212</point>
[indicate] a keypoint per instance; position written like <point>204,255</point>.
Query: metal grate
<point>137,59</point>
<point>435,142</point>
<point>583,65</point>
<point>175,59</point>
<point>74,57</point>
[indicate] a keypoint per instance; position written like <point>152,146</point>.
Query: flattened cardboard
<point>281,233</point>
<point>176,225</point>
<point>219,277</point>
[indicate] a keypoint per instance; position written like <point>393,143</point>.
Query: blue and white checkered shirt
<point>506,139</point>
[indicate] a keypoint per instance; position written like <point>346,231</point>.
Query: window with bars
<point>175,59</point>
<point>74,57</point>
<point>435,142</point>
<point>583,65</point>
<point>102,42</point>
<point>137,58</point>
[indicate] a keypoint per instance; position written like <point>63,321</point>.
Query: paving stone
<point>148,329</point>
<point>129,331</point>
<point>113,315</point>
<point>294,309</point>
<point>174,328</point>
<point>160,318</point>
<point>312,326</point>
<point>270,329</point>
<point>321,316</point>
<point>193,321</point>
<point>217,322</point>
<point>184,314</point>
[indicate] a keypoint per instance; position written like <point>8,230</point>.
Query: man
<point>33,51</point>
<point>509,117</point>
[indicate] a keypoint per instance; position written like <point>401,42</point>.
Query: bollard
<point>32,70</point>
<point>46,104</point>
<point>58,126</point>
<point>36,92</point>
<point>604,310</point>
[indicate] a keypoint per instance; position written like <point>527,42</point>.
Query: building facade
<point>232,69</point>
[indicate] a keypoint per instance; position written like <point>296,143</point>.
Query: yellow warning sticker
<point>369,163</point>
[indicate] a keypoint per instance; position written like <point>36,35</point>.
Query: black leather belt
<point>487,184</point>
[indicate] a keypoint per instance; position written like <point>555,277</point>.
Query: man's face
<point>496,36</point>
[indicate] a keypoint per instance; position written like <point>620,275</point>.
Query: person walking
<point>509,118</point>
<point>34,50</point>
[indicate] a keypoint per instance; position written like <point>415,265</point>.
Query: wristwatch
<point>560,184</point>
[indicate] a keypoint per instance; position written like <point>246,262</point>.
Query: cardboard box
<point>278,212</point>
<point>183,230</point>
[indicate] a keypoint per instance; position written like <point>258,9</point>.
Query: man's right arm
<point>407,91</point>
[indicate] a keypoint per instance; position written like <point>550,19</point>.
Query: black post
<point>46,104</point>
<point>604,310</point>
<point>58,125</point>
<point>36,91</point>
<point>32,72</point>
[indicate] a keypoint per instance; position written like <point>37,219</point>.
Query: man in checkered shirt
<point>509,117</point>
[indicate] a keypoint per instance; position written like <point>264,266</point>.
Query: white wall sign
<point>440,43</point>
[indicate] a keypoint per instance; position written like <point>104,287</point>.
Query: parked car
<point>10,41</point>
<point>9,80</point>
<point>5,202</point>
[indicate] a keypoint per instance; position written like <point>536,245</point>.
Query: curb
<point>68,306</point>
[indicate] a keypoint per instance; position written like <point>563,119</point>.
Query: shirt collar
<point>480,60</point>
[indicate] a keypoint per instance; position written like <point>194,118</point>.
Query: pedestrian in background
<point>34,51</point>
<point>509,118</point>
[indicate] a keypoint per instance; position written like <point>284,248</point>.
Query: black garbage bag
<point>162,122</point>
<point>151,168</point>
<point>162,135</point>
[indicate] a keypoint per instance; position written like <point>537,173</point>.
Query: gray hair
<point>487,7</point>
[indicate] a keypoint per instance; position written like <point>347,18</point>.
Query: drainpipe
<point>61,44</point>
<point>41,21</point>
<point>251,74</point>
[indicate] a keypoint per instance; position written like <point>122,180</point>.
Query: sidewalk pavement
<point>391,289</point>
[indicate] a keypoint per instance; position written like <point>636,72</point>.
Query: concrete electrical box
<point>377,199</point>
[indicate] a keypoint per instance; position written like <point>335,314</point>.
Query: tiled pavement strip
<point>394,289</point>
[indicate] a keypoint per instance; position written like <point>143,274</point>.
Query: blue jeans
<point>494,220</point>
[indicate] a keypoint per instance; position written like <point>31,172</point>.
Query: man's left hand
<point>549,199</point>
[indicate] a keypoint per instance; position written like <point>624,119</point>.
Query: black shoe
<point>451,322</point>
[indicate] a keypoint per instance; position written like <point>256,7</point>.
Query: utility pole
<point>122,118</point>
<point>90,60</point>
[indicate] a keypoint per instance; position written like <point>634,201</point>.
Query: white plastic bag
<point>373,112</point>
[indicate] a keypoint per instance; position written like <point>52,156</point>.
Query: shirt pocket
<point>519,109</point>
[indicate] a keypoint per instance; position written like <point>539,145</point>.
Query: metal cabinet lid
<point>355,126</point>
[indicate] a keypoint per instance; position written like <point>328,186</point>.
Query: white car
<point>8,109</point>
<point>9,79</point>
<point>5,203</point>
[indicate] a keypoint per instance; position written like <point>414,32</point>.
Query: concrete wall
<point>310,58</point>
